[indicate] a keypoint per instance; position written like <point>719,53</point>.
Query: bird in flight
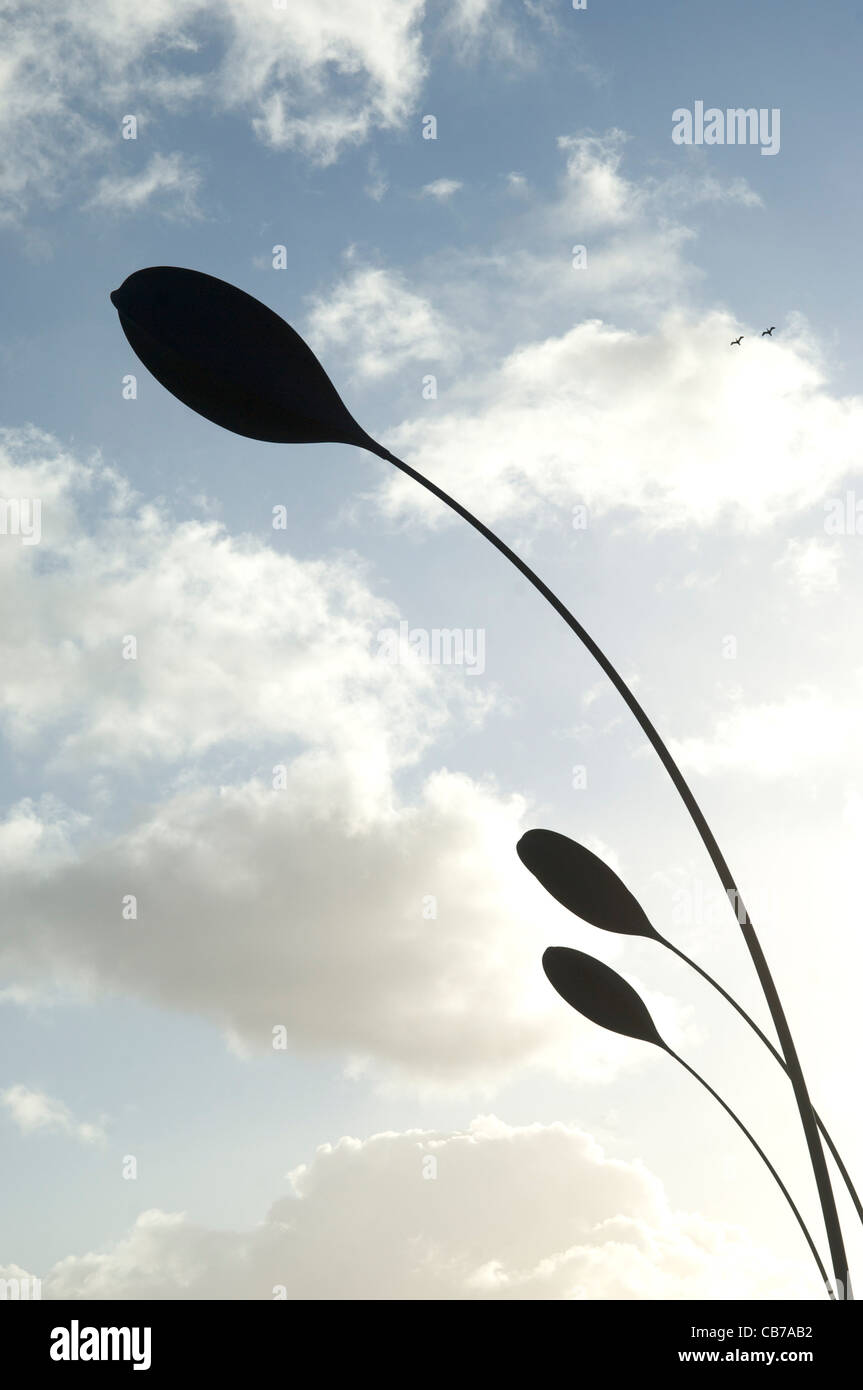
<point>768,332</point>
<point>737,341</point>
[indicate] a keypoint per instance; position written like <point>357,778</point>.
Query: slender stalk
<point>758,1149</point>
<point>846,1177</point>
<point>801,1094</point>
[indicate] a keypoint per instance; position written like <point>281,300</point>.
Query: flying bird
<point>737,341</point>
<point>768,332</point>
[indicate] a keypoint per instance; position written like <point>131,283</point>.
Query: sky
<point>274,1020</point>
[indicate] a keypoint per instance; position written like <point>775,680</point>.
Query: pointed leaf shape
<point>583,883</point>
<point>232,359</point>
<point>599,993</point>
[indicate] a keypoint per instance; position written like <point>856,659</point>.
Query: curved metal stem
<point>762,1155</point>
<point>846,1177</point>
<point>801,1094</point>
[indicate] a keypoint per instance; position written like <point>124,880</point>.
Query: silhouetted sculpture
<point>236,362</point>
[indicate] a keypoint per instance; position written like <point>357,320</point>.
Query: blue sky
<point>708,473</point>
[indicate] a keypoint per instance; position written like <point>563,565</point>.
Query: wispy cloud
<point>170,182</point>
<point>34,1112</point>
<point>441,189</point>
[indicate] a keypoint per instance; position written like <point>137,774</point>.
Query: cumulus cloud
<point>380,321</point>
<point>492,1212</point>
<point>663,422</point>
<point>281,66</point>
<point>34,1112</point>
<point>236,643</point>
<point>406,940</point>
<point>306,892</point>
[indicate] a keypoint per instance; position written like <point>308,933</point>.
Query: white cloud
<point>284,649</point>
<point>170,181</point>
<point>479,28</point>
<point>666,422</point>
<point>783,738</point>
<point>442,189</point>
<point>407,938</point>
<point>378,185</point>
<point>34,1112</point>
<point>270,64</point>
<point>595,194</point>
<point>813,564</point>
<point>517,183</point>
<point>469,18</point>
<point>707,188</point>
<point>526,283</point>
<point>63,71</point>
<point>659,417</point>
<point>380,323</point>
<point>259,906</point>
<point>536,1212</point>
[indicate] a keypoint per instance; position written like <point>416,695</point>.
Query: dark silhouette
<point>768,332</point>
<point>169,322</point>
<point>588,888</point>
<point>737,341</point>
<point>593,989</point>
<point>582,883</point>
<point>231,359</point>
